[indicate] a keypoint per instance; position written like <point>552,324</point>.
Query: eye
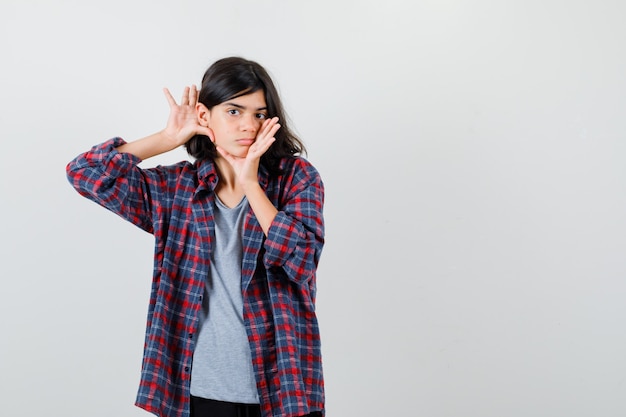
<point>233,112</point>
<point>261,116</point>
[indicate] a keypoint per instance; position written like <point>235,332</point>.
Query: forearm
<point>152,145</point>
<point>296,236</point>
<point>262,207</point>
<point>293,247</point>
<point>112,180</point>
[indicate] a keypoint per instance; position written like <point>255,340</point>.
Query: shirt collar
<point>207,173</point>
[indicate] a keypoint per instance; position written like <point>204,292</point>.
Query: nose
<point>249,123</point>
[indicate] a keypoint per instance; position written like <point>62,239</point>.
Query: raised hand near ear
<point>182,123</point>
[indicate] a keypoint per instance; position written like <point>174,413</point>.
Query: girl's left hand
<point>246,169</point>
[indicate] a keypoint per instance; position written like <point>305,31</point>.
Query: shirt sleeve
<point>296,236</point>
<point>113,180</point>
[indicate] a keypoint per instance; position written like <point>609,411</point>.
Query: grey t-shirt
<point>222,363</point>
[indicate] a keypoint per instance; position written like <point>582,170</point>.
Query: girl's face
<point>235,123</point>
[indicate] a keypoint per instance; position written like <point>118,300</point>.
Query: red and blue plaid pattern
<point>175,203</point>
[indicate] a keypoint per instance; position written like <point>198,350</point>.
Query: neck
<point>226,173</point>
<point>228,189</point>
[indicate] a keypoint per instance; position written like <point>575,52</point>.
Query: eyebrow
<point>239,106</point>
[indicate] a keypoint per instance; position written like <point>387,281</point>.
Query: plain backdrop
<point>473,154</point>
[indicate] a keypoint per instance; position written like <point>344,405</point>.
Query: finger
<point>261,147</point>
<point>193,95</point>
<point>267,122</point>
<point>270,131</point>
<point>270,122</point>
<point>264,141</point>
<point>267,127</point>
<point>228,157</point>
<point>169,97</point>
<point>208,132</point>
<point>185,100</point>
<point>274,129</point>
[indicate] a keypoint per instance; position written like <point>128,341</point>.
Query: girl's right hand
<point>182,123</point>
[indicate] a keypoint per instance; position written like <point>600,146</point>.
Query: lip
<point>245,141</point>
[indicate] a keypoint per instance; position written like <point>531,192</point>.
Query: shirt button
<point>190,335</point>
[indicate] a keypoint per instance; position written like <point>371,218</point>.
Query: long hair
<point>233,77</point>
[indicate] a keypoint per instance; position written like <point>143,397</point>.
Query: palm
<point>182,123</point>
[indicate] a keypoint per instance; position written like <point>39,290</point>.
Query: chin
<point>242,154</point>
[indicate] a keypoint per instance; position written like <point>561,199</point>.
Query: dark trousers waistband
<point>202,407</point>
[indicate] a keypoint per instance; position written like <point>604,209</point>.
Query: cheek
<point>220,129</point>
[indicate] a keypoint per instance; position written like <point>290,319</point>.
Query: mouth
<point>245,141</point>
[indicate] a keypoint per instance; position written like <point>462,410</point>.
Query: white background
<point>474,160</point>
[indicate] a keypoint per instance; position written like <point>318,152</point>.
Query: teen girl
<point>231,327</point>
